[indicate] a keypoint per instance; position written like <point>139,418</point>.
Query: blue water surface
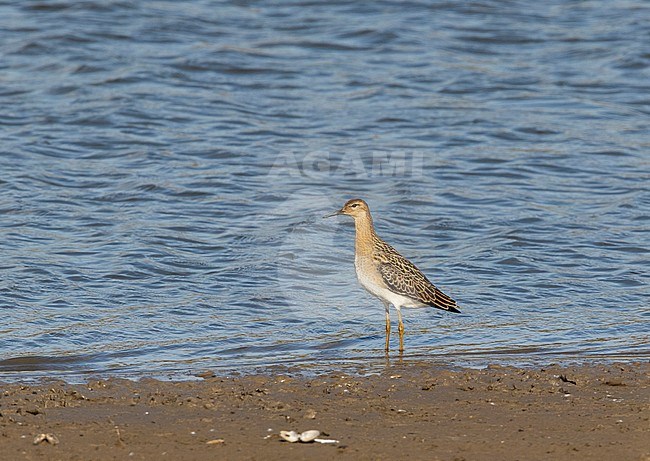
<point>165,167</point>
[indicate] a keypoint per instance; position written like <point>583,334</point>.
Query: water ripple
<point>166,166</point>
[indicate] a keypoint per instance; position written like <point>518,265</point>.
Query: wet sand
<point>413,411</point>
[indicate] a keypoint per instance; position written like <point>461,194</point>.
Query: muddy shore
<point>414,411</point>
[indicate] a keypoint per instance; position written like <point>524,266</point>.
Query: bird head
<point>355,208</point>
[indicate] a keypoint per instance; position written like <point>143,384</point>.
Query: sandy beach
<point>414,411</point>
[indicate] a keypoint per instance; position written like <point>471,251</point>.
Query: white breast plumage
<point>374,286</point>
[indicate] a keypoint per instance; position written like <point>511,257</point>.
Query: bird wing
<point>403,277</point>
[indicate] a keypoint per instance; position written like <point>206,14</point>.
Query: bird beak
<point>333,214</point>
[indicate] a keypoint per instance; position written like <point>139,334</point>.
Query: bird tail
<point>444,302</point>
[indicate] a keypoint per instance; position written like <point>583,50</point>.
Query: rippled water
<point>165,167</point>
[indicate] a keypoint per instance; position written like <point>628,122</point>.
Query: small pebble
<point>205,374</point>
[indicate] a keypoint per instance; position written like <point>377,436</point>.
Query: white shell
<point>49,438</point>
<point>309,436</point>
<point>290,436</point>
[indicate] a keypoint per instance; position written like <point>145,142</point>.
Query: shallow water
<point>165,168</point>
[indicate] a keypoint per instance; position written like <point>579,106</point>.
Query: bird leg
<point>387,326</point>
<point>400,329</point>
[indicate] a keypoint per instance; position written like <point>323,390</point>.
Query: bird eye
<point>354,205</point>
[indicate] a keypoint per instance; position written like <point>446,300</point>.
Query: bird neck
<point>365,234</point>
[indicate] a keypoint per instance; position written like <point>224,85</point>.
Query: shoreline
<point>12,372</point>
<point>416,410</point>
